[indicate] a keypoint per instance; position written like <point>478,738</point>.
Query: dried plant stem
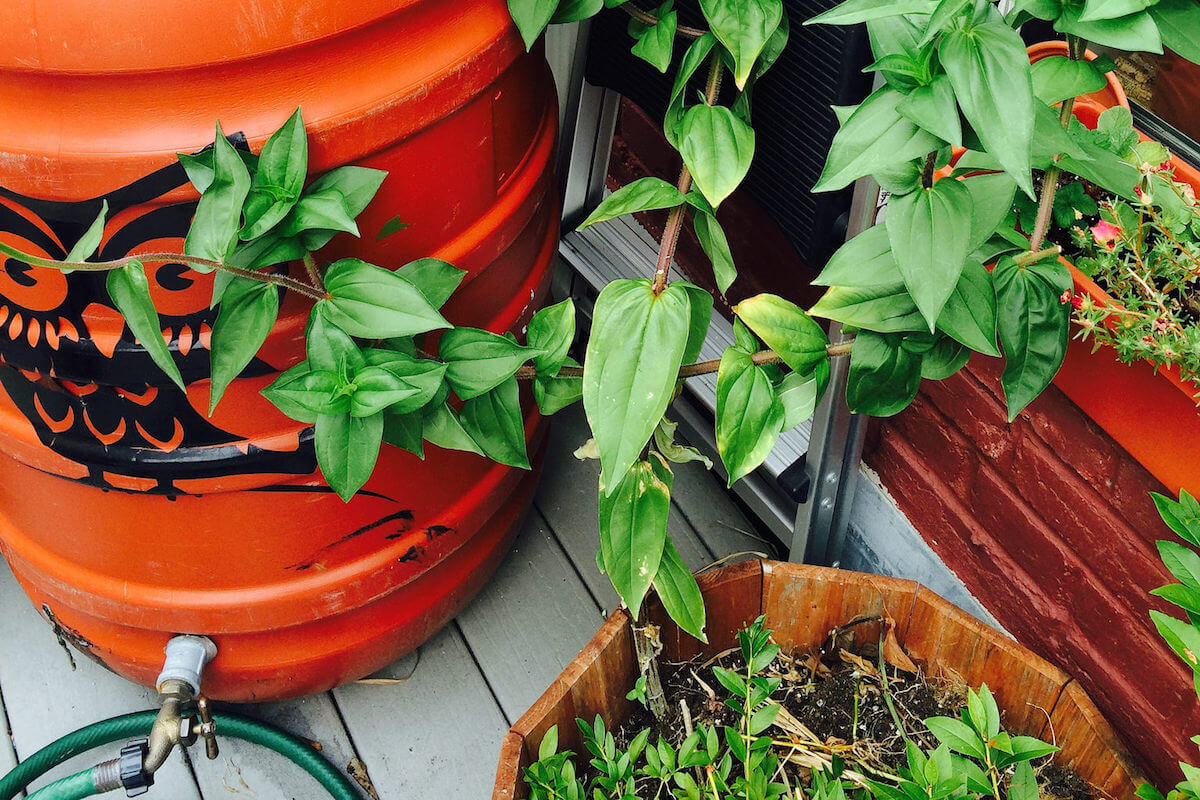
<point>647,646</point>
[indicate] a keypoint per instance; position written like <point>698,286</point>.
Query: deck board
<point>436,733</point>
<point>47,699</point>
<point>248,769</point>
<point>536,616</point>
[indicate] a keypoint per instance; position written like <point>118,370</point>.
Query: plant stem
<point>647,646</point>
<point>648,18</point>
<point>314,274</point>
<point>1076,48</point>
<point>674,226</point>
<point>700,367</point>
<point>1032,257</point>
<point>158,257</point>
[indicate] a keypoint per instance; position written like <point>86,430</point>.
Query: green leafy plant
<point>1146,256</point>
<point>960,126</point>
<point>1182,516</point>
<point>371,373</point>
<point>975,758</point>
<point>711,763</point>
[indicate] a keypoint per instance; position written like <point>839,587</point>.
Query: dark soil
<point>818,692</point>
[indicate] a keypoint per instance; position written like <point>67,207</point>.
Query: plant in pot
<point>960,126</point>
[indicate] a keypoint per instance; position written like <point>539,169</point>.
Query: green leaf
<point>316,214</point>
<point>1179,27</point>
<point>199,166</point>
<point>555,394</point>
<point>1057,78</point>
<point>884,375</point>
<point>873,137</point>
<point>405,431</point>
<point>947,12</point>
<point>213,233</point>
<point>930,233</point>
<point>129,290</point>
<point>531,17</point>
<point>935,109</point>
<point>494,422</point>
<point>1101,166</point>
<point>956,735</point>
<point>247,313</point>
<point>633,358</point>
<point>1111,9</point>
<point>749,417</point>
<point>1033,324</point>
<point>347,448</point>
<point>373,303</point>
<point>356,185</point>
<point>87,245</point>
<point>633,529</point>
<point>655,43</point>
<point>1023,784</point>
<point>700,308</point>
<point>693,58</point>
<point>744,27</point>
<point>945,358</point>
<point>866,260</point>
<point>279,179</point>
<point>644,194</point>
<point>1183,517</point>
<point>264,251</point>
<point>576,10</point>
<point>1180,595</point>
<point>680,595</point>
<point>443,428</point>
<point>1133,33</point>
<point>786,329</point>
<point>800,394</point>
<point>551,331</point>
<point>665,444</point>
<point>391,227</point>
<point>885,308</point>
<point>478,361</point>
<point>855,11</point>
<point>330,348</point>
<point>1182,562</point>
<point>991,201</point>
<point>1182,637</point>
<point>989,70</point>
<point>304,393</point>
<point>969,315</point>
<point>436,279</point>
<point>716,247</point>
<point>717,148</point>
<point>410,383</point>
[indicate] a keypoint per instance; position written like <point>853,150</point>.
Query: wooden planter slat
<point>801,604</point>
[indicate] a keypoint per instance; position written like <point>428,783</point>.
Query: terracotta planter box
<point>801,604</point>
<point>1152,413</point>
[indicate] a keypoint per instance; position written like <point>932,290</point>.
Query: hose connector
<point>187,656</point>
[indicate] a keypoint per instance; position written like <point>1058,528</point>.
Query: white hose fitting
<point>186,659</point>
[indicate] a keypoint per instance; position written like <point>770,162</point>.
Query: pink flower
<point>1077,302</point>
<point>1161,325</point>
<point>1066,297</point>
<point>1105,233</point>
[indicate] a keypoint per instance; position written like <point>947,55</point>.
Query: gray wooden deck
<point>437,732</point>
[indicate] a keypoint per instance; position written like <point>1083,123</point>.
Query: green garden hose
<point>72,787</point>
<point>131,726</point>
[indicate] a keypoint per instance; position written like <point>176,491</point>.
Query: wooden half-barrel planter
<point>802,604</point>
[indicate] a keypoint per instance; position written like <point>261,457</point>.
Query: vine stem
<point>314,275</point>
<point>158,257</point>
<point>760,358</point>
<point>674,226</point>
<point>927,172</point>
<point>1076,48</point>
<point>644,16</point>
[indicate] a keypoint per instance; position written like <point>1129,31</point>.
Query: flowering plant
<point>1146,256</point>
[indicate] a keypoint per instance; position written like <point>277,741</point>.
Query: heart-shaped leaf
<point>717,148</point>
<point>633,529</point>
<point>930,233</point>
<point>1033,323</point>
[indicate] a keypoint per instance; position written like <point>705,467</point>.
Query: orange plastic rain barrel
<point>127,514</point>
